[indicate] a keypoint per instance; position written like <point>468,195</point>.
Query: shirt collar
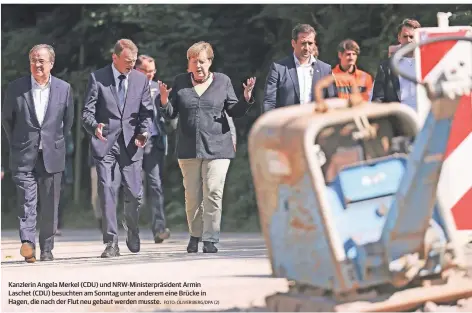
<point>311,62</point>
<point>35,84</point>
<point>354,69</point>
<point>116,73</point>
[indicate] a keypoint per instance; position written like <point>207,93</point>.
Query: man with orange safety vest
<point>348,51</point>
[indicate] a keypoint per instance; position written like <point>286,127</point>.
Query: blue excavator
<point>346,193</point>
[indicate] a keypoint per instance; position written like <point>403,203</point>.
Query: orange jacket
<point>363,79</point>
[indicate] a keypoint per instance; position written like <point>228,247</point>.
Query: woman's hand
<point>164,92</point>
<point>248,87</point>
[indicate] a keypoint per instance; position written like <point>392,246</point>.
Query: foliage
<point>246,39</point>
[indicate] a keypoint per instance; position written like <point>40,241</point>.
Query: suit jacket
<point>24,132</point>
<point>102,106</point>
<point>157,118</point>
<point>282,87</point>
<point>386,84</point>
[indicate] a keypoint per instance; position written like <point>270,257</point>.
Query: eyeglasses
<point>148,72</point>
<point>41,61</point>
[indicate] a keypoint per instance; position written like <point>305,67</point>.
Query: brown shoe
<point>28,252</point>
<point>160,237</point>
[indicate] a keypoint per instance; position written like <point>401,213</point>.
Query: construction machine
<point>346,193</point>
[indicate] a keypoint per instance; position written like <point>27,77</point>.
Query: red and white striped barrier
<point>455,182</point>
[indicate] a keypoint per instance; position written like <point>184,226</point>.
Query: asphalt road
<point>237,278</point>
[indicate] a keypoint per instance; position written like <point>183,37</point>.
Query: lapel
<point>292,71</point>
<point>316,76</point>
<point>156,115</point>
<point>53,96</point>
<point>396,84</point>
<point>154,93</point>
<point>129,90</point>
<point>113,88</point>
<point>28,95</point>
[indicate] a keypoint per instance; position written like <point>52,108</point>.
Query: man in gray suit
<point>117,114</point>
<point>291,80</point>
<point>38,112</point>
<point>154,155</point>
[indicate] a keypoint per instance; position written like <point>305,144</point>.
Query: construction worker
<point>348,51</point>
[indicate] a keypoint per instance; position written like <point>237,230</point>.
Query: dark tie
<point>121,90</point>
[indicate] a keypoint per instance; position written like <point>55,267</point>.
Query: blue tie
<point>121,90</point>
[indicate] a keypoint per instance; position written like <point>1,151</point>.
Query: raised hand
<point>164,92</point>
<point>248,87</point>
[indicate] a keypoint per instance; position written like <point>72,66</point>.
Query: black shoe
<point>193,244</point>
<point>160,237</point>
<point>111,250</point>
<point>46,256</point>
<point>28,251</point>
<point>132,241</point>
<point>209,247</point>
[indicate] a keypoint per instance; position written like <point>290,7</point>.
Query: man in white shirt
<point>388,87</point>
<point>38,112</point>
<point>291,80</point>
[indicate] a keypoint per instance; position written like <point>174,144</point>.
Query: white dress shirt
<point>408,88</point>
<point>41,99</point>
<point>305,79</point>
<point>116,74</point>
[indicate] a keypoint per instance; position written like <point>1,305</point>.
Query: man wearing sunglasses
<point>388,87</point>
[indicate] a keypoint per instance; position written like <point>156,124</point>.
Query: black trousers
<point>153,162</point>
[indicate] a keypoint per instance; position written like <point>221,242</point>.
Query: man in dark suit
<point>154,155</point>
<point>388,87</point>
<point>291,80</point>
<point>38,112</point>
<point>117,115</point>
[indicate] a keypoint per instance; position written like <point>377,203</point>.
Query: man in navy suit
<point>291,80</point>
<point>154,155</point>
<point>38,112</point>
<point>117,114</point>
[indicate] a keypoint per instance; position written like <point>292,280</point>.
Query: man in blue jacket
<point>154,155</point>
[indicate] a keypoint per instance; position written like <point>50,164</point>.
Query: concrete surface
<point>238,276</point>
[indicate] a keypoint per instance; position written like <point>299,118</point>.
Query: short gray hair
<point>50,49</point>
<point>122,44</point>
